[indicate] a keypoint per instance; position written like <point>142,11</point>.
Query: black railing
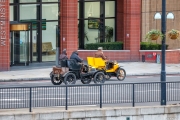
<point>92,94</point>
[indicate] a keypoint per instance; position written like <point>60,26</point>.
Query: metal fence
<point>92,94</point>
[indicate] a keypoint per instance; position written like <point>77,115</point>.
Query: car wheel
<point>107,76</point>
<point>70,78</point>
<point>121,74</point>
<point>99,78</point>
<point>56,80</point>
<point>85,80</point>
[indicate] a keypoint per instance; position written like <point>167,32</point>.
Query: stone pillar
<point>69,25</point>
<point>4,36</point>
<point>132,28</point>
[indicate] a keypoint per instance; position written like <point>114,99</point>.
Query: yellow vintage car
<point>110,68</point>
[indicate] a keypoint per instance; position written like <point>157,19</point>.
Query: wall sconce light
<point>157,16</point>
<point>170,16</point>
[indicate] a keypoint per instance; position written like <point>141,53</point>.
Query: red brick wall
<point>69,25</point>
<point>120,21</point>
<point>4,35</point>
<point>172,56</point>
<point>128,26</point>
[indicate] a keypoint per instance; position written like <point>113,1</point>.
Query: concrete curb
<point>48,78</point>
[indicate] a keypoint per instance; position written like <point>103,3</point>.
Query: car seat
<point>73,65</point>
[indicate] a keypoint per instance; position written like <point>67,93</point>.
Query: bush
<point>106,46</point>
<point>119,46</point>
<point>151,46</point>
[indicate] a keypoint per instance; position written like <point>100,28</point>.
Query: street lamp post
<point>163,54</point>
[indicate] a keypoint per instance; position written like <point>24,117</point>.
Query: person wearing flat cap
<point>100,53</point>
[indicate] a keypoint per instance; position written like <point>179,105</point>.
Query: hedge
<point>151,46</point>
<point>119,46</point>
<point>106,46</point>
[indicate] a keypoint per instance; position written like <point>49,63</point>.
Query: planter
<point>173,36</point>
<point>154,37</point>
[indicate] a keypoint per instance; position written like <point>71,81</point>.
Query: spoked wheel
<point>56,80</point>
<point>85,80</point>
<point>99,78</point>
<point>70,78</point>
<point>121,74</point>
<point>107,76</point>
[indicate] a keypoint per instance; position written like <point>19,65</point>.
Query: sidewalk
<point>40,71</point>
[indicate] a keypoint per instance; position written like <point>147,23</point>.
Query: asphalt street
<point>112,93</point>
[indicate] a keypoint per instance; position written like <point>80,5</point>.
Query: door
<point>20,42</point>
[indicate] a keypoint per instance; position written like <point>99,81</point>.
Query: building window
<point>96,21</point>
<point>43,14</point>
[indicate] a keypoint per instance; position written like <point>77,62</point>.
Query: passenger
<point>100,53</point>
<point>76,57</point>
<point>63,56</point>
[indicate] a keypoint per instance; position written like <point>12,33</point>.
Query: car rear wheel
<point>56,80</point>
<point>70,78</point>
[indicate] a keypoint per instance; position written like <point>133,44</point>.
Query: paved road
<point>128,79</point>
<point>88,95</point>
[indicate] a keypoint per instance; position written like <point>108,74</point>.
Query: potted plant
<point>173,34</point>
<point>154,34</point>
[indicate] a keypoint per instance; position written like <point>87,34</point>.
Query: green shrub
<point>150,46</point>
<point>119,46</point>
<point>106,46</point>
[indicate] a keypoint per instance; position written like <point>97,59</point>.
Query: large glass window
<point>11,13</point>
<point>49,42</point>
<point>27,1</point>
<point>109,9</point>
<point>11,1</point>
<point>50,0</point>
<point>28,11</point>
<point>50,11</point>
<point>92,9</point>
<point>43,15</point>
<point>97,21</point>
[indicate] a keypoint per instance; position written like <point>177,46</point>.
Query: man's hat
<point>100,48</point>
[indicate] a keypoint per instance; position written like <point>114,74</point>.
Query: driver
<point>100,53</point>
<point>78,60</point>
<point>76,57</point>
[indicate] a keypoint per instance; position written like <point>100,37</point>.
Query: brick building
<point>30,29</point>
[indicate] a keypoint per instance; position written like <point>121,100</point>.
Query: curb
<point>25,79</point>
<point>48,78</point>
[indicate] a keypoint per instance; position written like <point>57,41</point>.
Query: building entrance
<point>20,41</point>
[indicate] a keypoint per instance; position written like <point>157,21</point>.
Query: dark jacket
<point>75,56</point>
